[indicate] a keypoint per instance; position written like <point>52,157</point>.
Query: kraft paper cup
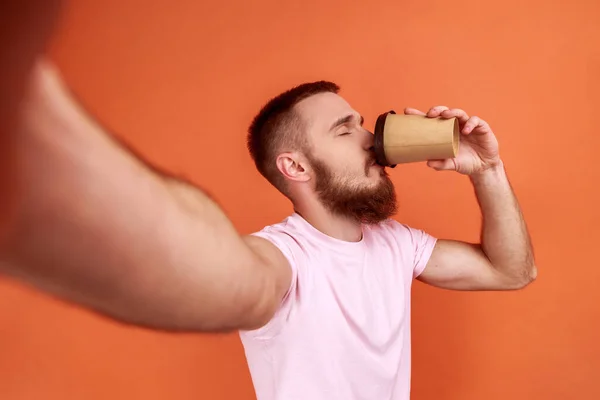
<point>403,138</point>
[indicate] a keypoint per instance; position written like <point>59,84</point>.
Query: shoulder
<point>283,234</point>
<point>397,230</point>
<point>411,240</point>
<point>285,237</point>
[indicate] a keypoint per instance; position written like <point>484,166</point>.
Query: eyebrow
<point>345,120</point>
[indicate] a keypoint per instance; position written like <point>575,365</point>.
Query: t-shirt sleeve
<point>423,245</point>
<point>417,244</point>
<point>287,245</point>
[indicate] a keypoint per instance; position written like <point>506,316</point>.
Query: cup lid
<point>379,145</point>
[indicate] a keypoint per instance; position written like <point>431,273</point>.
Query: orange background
<point>181,80</point>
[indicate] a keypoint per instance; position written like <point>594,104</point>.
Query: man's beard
<point>368,205</point>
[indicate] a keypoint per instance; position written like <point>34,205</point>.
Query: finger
<point>436,111</point>
<point>413,111</point>
<point>442,165</point>
<point>476,124</point>
<point>462,116</point>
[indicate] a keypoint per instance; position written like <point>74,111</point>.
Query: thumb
<point>448,164</point>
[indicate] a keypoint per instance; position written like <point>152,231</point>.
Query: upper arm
<point>463,266</point>
<point>277,266</point>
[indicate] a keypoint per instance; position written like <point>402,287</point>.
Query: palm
<point>478,148</point>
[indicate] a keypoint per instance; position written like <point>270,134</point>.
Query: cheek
<point>344,159</point>
<point>349,168</point>
<point>352,169</point>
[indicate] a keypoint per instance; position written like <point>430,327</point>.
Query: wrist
<point>489,174</point>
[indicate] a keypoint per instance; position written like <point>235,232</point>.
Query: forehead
<point>320,111</point>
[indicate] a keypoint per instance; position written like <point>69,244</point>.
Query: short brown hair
<point>277,128</point>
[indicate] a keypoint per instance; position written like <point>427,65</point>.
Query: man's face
<point>348,181</point>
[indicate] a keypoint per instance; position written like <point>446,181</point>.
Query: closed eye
<point>345,133</point>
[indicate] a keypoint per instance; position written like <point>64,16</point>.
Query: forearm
<point>97,227</point>
<point>504,236</point>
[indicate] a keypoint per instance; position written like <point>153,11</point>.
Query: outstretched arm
<point>99,227</point>
<point>503,260</point>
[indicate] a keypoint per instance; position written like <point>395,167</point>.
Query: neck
<point>336,226</point>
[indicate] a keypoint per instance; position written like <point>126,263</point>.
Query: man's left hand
<point>478,150</point>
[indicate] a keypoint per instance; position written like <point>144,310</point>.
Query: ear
<point>293,167</point>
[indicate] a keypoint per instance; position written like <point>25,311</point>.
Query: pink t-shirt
<point>343,329</point>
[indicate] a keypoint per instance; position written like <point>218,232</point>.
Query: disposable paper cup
<point>403,138</point>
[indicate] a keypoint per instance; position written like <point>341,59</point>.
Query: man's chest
<point>365,293</point>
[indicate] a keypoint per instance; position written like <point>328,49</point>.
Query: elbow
<point>527,276</point>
